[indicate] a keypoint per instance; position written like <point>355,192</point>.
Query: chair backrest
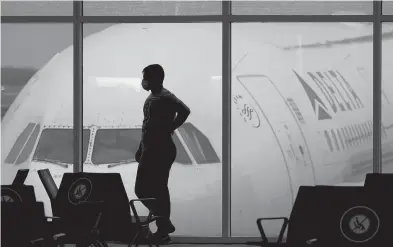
<point>107,187</point>
<point>48,183</point>
<point>347,217</point>
<point>18,193</point>
<point>302,221</point>
<point>21,176</point>
<point>379,189</point>
<point>376,181</point>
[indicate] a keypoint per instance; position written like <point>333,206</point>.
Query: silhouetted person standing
<point>163,114</point>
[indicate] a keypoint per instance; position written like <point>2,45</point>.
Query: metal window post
<point>78,86</point>
<point>226,120</point>
<point>377,88</point>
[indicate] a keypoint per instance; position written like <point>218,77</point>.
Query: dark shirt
<point>159,114</point>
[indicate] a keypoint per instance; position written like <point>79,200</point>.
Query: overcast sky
<point>32,45</point>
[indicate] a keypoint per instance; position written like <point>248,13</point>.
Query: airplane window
<point>296,110</point>
<point>370,130</point>
<point>354,135</point>
<point>329,142</point>
<point>358,134</point>
<point>56,145</point>
<point>364,133</point>
<point>120,145</point>
<point>341,139</point>
<point>19,144</point>
<point>28,149</point>
<point>370,123</point>
<point>349,135</point>
<point>365,130</point>
<point>199,144</point>
<point>344,134</point>
<point>335,140</point>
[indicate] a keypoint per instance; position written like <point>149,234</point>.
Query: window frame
<point>226,18</point>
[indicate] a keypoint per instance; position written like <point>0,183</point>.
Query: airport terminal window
<point>120,145</point>
<point>57,146</point>
<point>22,144</point>
<point>199,145</point>
<point>329,141</point>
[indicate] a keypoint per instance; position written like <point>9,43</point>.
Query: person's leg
<point>165,225</point>
<point>144,184</point>
<point>164,203</point>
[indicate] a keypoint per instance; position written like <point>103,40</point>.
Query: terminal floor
<point>179,245</point>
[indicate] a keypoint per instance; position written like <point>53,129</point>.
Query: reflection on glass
<point>387,8</point>
<point>387,100</point>
<point>298,104</point>
<point>36,101</point>
<point>302,7</point>
<point>190,54</point>
<point>36,8</point>
<point>146,8</point>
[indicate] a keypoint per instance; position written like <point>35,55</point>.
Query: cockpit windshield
<point>117,146</point>
<point>56,146</point>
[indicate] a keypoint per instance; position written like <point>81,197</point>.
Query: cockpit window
<point>199,144</point>
<point>115,146</point>
<point>24,145</point>
<point>57,146</point>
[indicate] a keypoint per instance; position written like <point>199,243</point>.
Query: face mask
<point>145,85</point>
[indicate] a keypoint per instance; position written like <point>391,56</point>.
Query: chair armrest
<point>58,235</point>
<point>52,217</point>
<point>35,241</point>
<point>262,232</point>
<point>150,217</point>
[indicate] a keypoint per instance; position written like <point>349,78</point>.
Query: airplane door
<point>272,106</point>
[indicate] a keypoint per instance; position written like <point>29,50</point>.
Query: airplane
<point>300,116</point>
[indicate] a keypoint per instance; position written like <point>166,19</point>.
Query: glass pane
<point>36,102</point>
<point>36,8</point>
<point>387,98</point>
<point>146,8</point>
<point>302,7</point>
<point>387,7</point>
<point>295,87</point>
<point>190,55</point>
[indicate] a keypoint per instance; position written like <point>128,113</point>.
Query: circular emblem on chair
<point>359,224</point>
<point>80,190</point>
<point>10,195</point>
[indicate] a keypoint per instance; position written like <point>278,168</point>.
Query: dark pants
<point>152,180</point>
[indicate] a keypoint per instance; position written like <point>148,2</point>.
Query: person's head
<point>153,77</point>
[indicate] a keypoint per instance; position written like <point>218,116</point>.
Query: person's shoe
<point>171,228</point>
<point>165,226</point>
<point>161,238</point>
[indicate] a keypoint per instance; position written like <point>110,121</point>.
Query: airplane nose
<point>260,179</point>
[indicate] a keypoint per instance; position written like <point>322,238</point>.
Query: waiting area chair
<point>23,218</point>
<point>325,216</point>
<point>117,224</point>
